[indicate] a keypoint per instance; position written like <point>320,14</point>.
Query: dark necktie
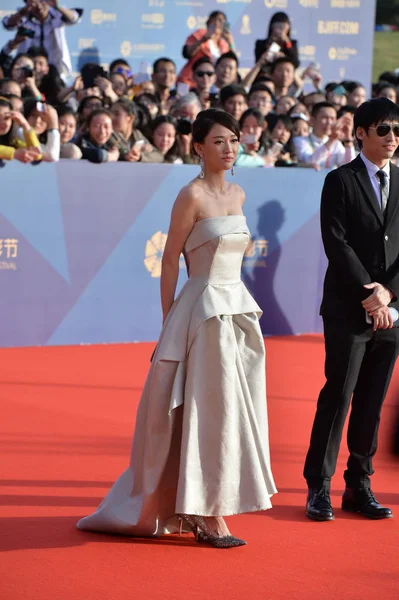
<point>382,176</point>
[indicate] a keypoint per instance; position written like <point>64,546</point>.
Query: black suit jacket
<point>361,245</point>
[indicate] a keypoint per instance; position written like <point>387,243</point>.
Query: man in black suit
<point>360,230</point>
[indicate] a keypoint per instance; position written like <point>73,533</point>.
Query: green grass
<point>386,52</point>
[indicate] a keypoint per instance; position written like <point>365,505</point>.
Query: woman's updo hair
<point>206,119</point>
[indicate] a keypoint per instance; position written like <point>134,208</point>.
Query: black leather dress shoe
<point>318,505</point>
<point>362,501</point>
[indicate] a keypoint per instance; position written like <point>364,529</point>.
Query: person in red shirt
<point>211,42</point>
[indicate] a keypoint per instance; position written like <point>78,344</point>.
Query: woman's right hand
<point>31,84</point>
<point>27,155</point>
<point>19,119</point>
<point>77,85</point>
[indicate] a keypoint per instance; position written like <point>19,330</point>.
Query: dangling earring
<point>232,170</point>
<point>202,174</point>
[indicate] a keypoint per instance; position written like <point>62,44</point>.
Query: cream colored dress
<point>201,438</point>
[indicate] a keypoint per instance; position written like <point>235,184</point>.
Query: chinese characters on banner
<point>8,251</point>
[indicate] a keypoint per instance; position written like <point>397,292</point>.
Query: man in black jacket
<point>360,230</point>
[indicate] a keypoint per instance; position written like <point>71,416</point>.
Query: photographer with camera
<point>185,112</point>
<point>41,23</point>
<point>23,72</point>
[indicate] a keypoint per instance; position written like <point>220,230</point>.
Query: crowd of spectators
<point>113,115</point>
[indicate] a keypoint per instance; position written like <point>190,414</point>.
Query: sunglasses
<point>383,130</point>
<point>203,73</point>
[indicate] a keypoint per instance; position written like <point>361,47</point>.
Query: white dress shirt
<point>312,149</point>
<point>372,169</point>
<point>50,35</point>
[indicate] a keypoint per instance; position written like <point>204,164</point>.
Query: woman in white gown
<point>200,449</point>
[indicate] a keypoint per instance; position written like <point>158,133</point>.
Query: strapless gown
<point>201,437</point>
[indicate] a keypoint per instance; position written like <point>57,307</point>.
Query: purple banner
<point>81,249</point>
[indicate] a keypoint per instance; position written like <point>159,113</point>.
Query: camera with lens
<point>184,126</point>
<point>27,71</point>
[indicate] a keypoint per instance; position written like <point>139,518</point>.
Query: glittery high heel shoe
<point>205,535</point>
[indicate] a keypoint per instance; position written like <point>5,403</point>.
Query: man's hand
<point>380,298</point>
<point>77,85</point>
<point>382,319</point>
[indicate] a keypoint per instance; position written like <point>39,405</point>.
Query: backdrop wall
<point>81,248</point>
<point>336,33</point>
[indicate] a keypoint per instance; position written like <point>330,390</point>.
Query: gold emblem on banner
<point>332,53</point>
<point>153,253</point>
<point>245,25</point>
<point>126,48</point>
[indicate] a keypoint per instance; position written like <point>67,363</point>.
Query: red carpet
<point>67,416</point>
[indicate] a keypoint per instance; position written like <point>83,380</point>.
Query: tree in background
<point>387,12</point>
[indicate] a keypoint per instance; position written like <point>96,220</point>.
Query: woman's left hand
<point>50,116</point>
<point>228,36</point>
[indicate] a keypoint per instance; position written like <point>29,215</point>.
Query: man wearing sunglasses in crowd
<point>204,77</point>
<point>359,224</point>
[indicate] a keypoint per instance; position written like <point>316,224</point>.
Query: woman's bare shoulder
<point>189,195</point>
<point>238,191</point>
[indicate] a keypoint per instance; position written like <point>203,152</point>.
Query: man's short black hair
<point>383,85</point>
<point>390,77</point>
<point>319,105</point>
<point>375,111</point>
<point>204,60</point>
<point>161,60</point>
<point>280,61</point>
<point>229,54</point>
<point>35,51</point>
<point>232,90</point>
<point>118,61</point>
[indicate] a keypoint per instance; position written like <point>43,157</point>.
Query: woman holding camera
<point>278,42</point>
<point>133,145</point>
<point>43,119</point>
<point>22,71</point>
<point>212,42</point>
